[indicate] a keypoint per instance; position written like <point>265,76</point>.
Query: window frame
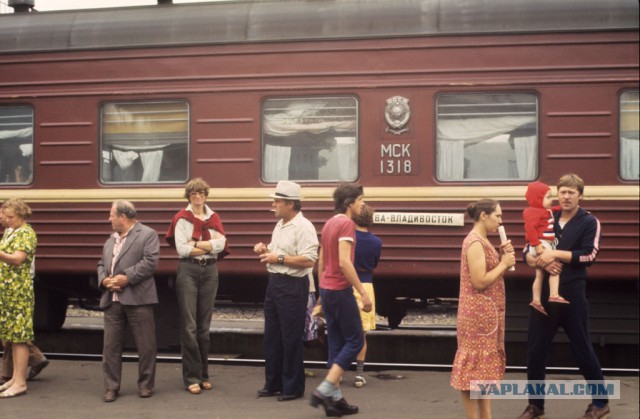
<point>536,166</point>
<point>621,152</point>
<point>31,178</point>
<point>102,148</point>
<point>292,98</point>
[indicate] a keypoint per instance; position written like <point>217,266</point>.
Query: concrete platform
<point>73,389</point>
<point>244,339</point>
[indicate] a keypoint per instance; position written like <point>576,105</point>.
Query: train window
<point>487,137</point>
<point>629,152</point>
<point>310,139</point>
<point>16,145</point>
<point>144,142</point>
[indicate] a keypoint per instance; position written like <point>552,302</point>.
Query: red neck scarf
<point>200,229</point>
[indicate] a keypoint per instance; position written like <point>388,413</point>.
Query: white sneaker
<point>359,381</point>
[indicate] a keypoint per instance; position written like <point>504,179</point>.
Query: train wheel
<point>50,310</point>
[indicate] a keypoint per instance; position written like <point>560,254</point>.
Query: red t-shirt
<point>339,227</point>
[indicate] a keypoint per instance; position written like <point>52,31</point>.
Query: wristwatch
<point>280,259</point>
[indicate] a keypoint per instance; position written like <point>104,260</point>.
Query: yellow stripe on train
<point>310,193</point>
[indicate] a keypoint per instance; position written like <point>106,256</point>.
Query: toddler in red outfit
<point>538,227</point>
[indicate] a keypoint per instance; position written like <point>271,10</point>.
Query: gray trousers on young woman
<point>196,288</point>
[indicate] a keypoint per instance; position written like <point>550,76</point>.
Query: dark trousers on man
<point>574,319</point>
<point>344,326</point>
<point>143,328</point>
<point>285,307</point>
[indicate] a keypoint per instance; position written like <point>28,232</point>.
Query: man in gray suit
<point>125,276</point>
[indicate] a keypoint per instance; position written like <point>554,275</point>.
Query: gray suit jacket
<point>138,260</point>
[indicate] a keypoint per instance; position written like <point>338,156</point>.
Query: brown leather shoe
<point>110,396</point>
<point>145,392</point>
<point>532,412</point>
<point>595,412</point>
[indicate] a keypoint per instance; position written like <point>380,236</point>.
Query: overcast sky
<point>47,5</point>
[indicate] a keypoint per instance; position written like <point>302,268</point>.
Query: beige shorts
<point>368,319</point>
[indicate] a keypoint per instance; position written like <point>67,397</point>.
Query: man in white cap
<point>289,257</point>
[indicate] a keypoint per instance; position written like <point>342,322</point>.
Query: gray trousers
<point>143,328</point>
<point>196,289</point>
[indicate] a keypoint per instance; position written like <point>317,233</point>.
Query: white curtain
<point>26,149</point>
<point>451,160</point>
<point>475,130</point>
<point>455,134</point>
<point>276,163</point>
<point>629,158</point>
<point>124,158</point>
<point>526,156</point>
<point>347,160</point>
<point>151,162</point>
<point>19,133</point>
<point>304,116</point>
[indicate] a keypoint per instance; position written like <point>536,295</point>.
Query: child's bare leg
<point>537,292</point>
<point>537,286</point>
<point>554,284</point>
<point>554,295</point>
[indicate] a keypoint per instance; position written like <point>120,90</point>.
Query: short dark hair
<point>125,208</point>
<point>345,195</point>
<point>486,205</point>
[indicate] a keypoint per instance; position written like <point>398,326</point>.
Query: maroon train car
<point>429,104</point>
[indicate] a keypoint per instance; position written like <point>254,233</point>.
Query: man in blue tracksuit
<point>579,236</point>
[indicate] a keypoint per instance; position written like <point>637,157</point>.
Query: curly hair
<point>365,218</point>
<point>196,185</point>
<point>20,208</point>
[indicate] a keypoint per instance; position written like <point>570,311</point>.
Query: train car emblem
<point>397,114</point>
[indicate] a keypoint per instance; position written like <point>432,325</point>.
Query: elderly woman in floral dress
<point>17,250</point>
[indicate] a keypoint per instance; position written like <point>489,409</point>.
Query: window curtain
<point>451,160</point>
<point>629,158</point>
<point>151,161</point>
<point>455,134</point>
<point>16,133</point>
<point>526,156</point>
<point>305,117</point>
<point>347,159</point>
<point>276,163</point>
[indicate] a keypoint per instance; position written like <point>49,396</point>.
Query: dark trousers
<point>196,289</point>
<point>574,319</point>
<point>143,328</point>
<point>285,309</point>
<point>344,326</point>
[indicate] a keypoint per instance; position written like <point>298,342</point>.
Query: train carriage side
<point>425,123</point>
